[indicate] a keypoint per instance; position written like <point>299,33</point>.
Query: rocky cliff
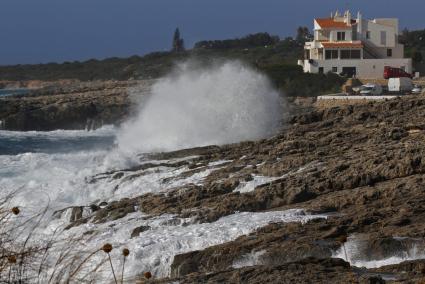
<point>69,105</point>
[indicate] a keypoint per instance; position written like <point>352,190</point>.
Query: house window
<point>355,54</point>
<point>331,54</point>
<point>321,70</point>
<point>368,35</point>
<point>350,72</point>
<point>335,69</point>
<point>383,38</point>
<point>340,36</point>
<point>350,54</point>
<point>389,52</point>
<point>345,54</point>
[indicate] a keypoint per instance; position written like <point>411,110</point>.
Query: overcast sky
<point>40,31</point>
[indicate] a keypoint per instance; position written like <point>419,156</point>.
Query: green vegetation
<point>253,40</point>
<point>304,35</point>
<point>294,82</point>
<point>269,54</point>
<point>414,47</point>
<point>178,42</point>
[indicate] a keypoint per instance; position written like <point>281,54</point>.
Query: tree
<point>178,43</point>
<point>404,36</point>
<point>303,35</point>
<point>417,57</point>
<point>249,41</point>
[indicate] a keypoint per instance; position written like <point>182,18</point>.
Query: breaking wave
<point>193,106</point>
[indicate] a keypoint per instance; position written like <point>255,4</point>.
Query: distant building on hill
<point>354,47</point>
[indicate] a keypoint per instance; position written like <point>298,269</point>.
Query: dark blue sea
<point>59,141</point>
<point>10,92</point>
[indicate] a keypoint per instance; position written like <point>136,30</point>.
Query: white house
<point>355,47</point>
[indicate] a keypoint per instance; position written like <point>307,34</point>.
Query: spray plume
<point>198,106</point>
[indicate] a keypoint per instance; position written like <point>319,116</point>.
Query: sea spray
<point>194,106</point>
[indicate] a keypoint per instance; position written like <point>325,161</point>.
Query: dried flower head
<point>11,259</point>
<point>125,252</point>
<point>15,210</point>
<point>107,248</point>
<point>147,275</point>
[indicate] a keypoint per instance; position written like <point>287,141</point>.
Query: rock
<point>397,133</point>
<point>372,280</point>
<point>184,267</point>
<point>66,106</point>
<point>76,214</point>
<point>118,175</point>
<point>94,207</point>
<point>136,232</point>
<point>73,214</point>
<point>309,270</point>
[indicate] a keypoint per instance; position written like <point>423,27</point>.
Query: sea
<point>48,173</point>
<point>11,92</point>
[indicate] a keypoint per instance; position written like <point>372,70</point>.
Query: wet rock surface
<point>363,165</point>
<point>317,270</point>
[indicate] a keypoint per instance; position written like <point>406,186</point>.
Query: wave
<point>107,130</point>
<point>199,106</point>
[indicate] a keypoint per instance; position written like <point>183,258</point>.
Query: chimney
<point>347,17</point>
<point>360,24</point>
<point>336,14</point>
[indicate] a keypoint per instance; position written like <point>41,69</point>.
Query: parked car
<point>357,90</point>
<point>371,90</point>
<point>417,89</point>
<point>393,72</point>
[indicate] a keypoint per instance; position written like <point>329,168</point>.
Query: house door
<point>350,72</point>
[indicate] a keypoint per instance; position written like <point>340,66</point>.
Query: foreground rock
<point>321,270</point>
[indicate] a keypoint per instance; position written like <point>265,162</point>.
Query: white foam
<point>154,250</point>
<point>251,259</point>
<point>257,180</point>
<point>249,186</point>
<point>107,130</point>
<point>355,258</point>
<point>196,106</point>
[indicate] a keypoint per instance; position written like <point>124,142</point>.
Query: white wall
<point>321,35</point>
<point>389,22</point>
<point>375,34</point>
<point>398,51</point>
<point>366,68</point>
<point>334,34</point>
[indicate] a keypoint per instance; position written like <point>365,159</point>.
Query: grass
<point>25,258</point>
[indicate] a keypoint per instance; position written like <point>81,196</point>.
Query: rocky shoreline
<point>362,166</point>
<point>69,105</point>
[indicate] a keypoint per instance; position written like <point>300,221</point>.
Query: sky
<point>42,31</point>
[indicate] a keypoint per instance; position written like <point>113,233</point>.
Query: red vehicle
<point>392,72</point>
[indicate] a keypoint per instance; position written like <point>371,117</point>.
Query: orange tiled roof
<point>331,23</point>
<point>342,44</point>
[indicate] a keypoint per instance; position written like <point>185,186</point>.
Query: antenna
<point>347,6</point>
